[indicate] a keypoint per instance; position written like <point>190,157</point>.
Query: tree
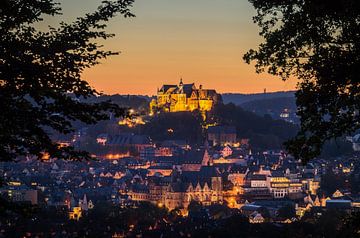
<point>41,89</point>
<point>263,131</point>
<point>287,211</point>
<point>330,182</point>
<point>318,42</point>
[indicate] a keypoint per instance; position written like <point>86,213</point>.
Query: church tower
<point>207,159</point>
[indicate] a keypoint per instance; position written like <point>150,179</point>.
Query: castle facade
<point>184,97</point>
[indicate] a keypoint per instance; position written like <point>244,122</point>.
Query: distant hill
<point>264,132</point>
<point>239,99</point>
<point>263,105</point>
<point>279,105</point>
<point>138,102</point>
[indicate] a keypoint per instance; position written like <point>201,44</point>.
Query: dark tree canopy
<point>40,75</point>
<point>318,42</point>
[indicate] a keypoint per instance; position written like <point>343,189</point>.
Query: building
<point>222,135</point>
<point>184,97</point>
<point>20,193</point>
<point>129,140</point>
<point>339,204</point>
<point>204,186</point>
<point>194,160</point>
<point>237,176</point>
<point>193,178</point>
<point>279,184</point>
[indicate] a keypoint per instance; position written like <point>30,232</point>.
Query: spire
<point>83,203</point>
<point>84,199</point>
<point>207,159</point>
<point>181,82</point>
<point>206,144</point>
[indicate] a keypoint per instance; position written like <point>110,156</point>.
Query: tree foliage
<point>318,42</point>
<point>40,75</point>
<point>175,126</point>
<point>263,131</point>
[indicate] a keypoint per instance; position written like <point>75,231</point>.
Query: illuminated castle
<point>184,97</point>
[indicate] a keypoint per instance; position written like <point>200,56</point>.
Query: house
<point>20,193</point>
<point>102,139</point>
<point>279,184</point>
<point>193,160</point>
<point>130,140</point>
<point>236,176</point>
<point>339,204</point>
<point>226,151</point>
<point>221,135</point>
<point>160,170</point>
<point>256,217</point>
<point>257,187</point>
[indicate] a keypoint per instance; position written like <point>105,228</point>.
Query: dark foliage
<point>330,182</point>
<point>175,126</point>
<point>140,103</point>
<point>40,72</point>
<point>287,211</point>
<point>336,147</point>
<point>263,131</point>
<point>151,221</point>
<point>319,43</point>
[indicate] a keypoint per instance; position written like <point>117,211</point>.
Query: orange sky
<point>202,41</point>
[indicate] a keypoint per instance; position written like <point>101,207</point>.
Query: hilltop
<point>239,98</point>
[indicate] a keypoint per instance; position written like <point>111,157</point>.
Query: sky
<point>200,41</point>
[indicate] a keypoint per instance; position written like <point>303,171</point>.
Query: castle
<point>184,97</point>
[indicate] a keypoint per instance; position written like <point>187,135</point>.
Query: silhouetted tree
<point>330,182</point>
<point>351,225</point>
<point>317,42</point>
<point>287,211</point>
<point>41,88</point>
<point>175,126</point>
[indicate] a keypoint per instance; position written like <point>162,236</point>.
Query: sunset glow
<point>201,41</point>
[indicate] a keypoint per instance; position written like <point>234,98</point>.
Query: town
<point>263,186</point>
<point>211,119</point>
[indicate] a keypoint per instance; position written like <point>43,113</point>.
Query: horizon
<point>166,40</point>
<point>227,93</point>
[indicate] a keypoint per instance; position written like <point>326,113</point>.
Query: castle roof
<point>166,87</point>
<point>188,89</point>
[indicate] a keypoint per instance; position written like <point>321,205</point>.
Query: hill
<point>279,105</point>
<point>239,99</point>
<point>264,132</point>
<point>138,102</point>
